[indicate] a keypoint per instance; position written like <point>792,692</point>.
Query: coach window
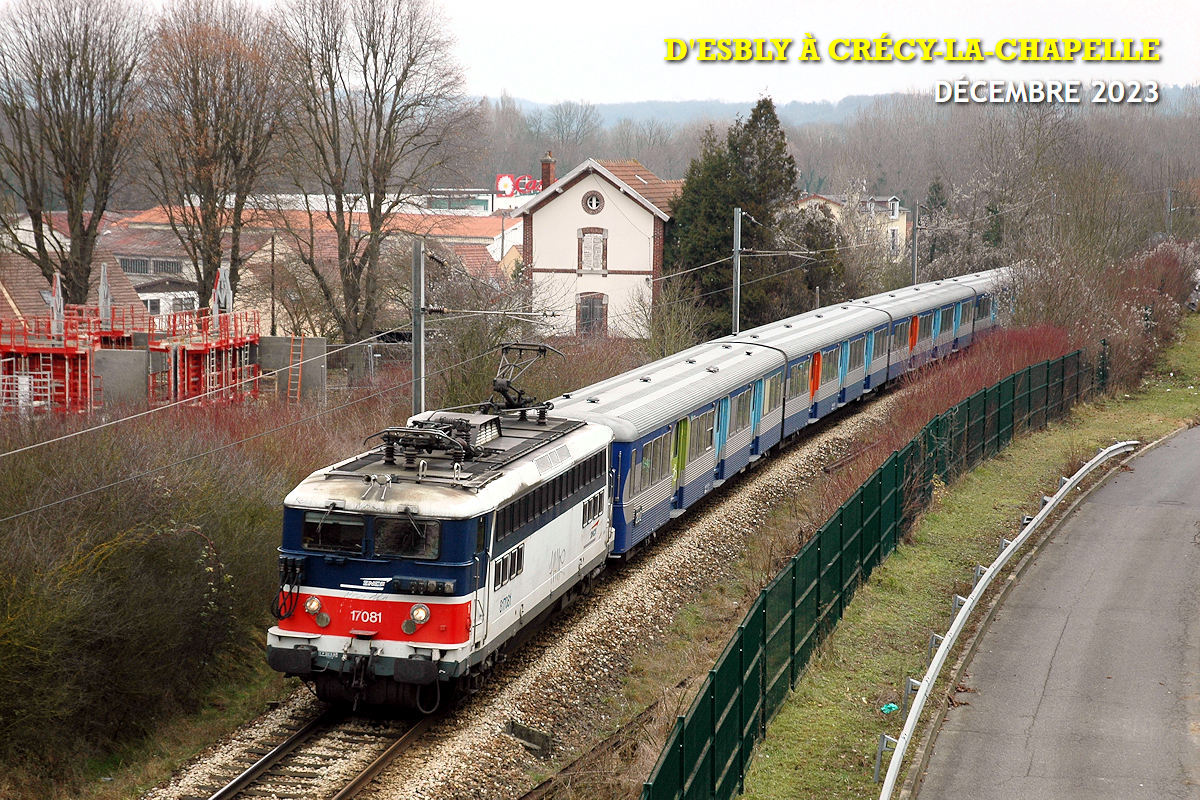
<point>702,442</point>
<point>900,336</point>
<point>327,532</point>
<point>858,350</point>
<point>645,468</point>
<point>741,412</point>
<point>985,307</point>
<point>407,537</point>
<point>947,321</point>
<point>773,392</point>
<point>798,379</point>
<point>968,313</point>
<point>925,327</point>
<point>829,365</point>
<point>880,343</point>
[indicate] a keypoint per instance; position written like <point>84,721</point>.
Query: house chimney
<point>548,170</point>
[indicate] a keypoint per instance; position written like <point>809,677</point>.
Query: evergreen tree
<point>751,169</point>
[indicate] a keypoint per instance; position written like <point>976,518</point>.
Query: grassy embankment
<point>822,743</point>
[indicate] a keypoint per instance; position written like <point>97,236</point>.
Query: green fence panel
<point>909,474</point>
<point>872,514</point>
<point>808,605</point>
<point>666,784</point>
<point>891,511</point>
<point>1054,389</point>
<point>829,542</point>
<point>977,428</point>
<point>696,752</point>
<point>991,425</point>
<point>1021,401</point>
<point>752,675</point>
<point>851,545</point>
<point>1038,374</point>
<point>778,608</point>
<point>1006,412</point>
<point>727,702</point>
<point>960,437</point>
<point>1071,380</point>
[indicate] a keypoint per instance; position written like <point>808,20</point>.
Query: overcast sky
<point>613,50</point>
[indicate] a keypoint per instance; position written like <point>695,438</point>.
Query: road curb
<point>916,771</point>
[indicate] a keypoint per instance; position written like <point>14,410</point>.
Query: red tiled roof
<point>478,261</point>
<point>460,226</point>
<point>21,284</point>
<point>123,293</point>
<point>658,191</point>
<point>454,226</point>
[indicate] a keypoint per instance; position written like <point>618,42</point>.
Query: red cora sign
<point>513,185</point>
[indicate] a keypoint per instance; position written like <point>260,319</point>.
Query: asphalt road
<point>1087,683</point>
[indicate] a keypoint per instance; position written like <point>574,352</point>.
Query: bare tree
<point>572,128</point>
<point>215,100</point>
<point>377,104</point>
<point>69,90</point>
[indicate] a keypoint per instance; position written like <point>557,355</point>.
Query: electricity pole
<point>916,227</point>
<point>418,326</point>
<point>737,270</point>
<point>1169,210</point>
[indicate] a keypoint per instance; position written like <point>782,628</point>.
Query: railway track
<point>332,757</point>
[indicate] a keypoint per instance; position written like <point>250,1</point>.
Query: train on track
<point>418,564</point>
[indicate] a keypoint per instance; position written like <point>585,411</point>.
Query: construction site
<point>77,359</point>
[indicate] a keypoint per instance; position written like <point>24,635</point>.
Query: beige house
<point>593,243</point>
<point>882,216</point>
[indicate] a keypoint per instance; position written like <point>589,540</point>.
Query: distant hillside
<point>679,112</point>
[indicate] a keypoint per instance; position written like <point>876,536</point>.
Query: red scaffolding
<point>48,364</point>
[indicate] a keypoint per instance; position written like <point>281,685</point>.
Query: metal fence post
<point>762,665</point>
<point>1102,369</point>
<point>792,627</point>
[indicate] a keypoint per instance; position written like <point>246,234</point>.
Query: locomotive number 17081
<point>358,615</point>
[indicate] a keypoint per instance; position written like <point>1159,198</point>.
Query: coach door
<point>480,611</point>
<point>679,451</point>
<point>721,434</point>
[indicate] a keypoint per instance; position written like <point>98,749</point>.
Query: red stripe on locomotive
<point>449,623</point>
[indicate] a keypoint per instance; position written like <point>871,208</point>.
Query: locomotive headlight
<point>419,613</point>
<point>313,604</point>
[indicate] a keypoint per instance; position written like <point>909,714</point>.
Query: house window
<point>153,306</point>
<point>593,202</point>
<point>167,266</point>
<point>137,266</point>
<point>894,208</point>
<point>593,250</point>
<point>592,314</point>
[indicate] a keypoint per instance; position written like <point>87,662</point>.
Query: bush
<point>1134,306</point>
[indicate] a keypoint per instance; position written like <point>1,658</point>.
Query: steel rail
<point>276,754</point>
<point>960,619</point>
<point>375,767</point>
